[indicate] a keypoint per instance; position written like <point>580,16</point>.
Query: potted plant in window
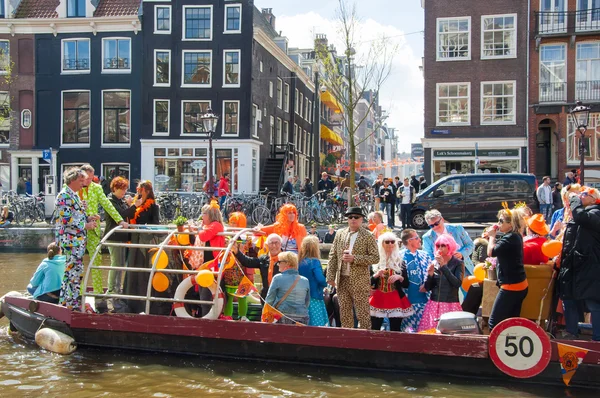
<point>490,266</point>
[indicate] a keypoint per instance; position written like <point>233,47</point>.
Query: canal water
<point>27,371</point>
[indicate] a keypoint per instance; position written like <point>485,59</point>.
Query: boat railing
<point>233,233</point>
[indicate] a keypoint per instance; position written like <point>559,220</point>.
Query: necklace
<point>147,204</point>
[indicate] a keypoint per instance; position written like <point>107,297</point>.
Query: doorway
<point>542,152</point>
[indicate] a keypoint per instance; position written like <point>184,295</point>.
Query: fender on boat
<point>55,341</point>
<point>181,291</point>
<point>9,294</point>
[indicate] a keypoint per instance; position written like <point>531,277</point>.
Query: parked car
<point>473,197</point>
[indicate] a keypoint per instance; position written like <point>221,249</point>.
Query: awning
<point>328,99</point>
<point>331,136</point>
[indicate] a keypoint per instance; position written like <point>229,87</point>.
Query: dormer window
<point>75,8</point>
<point>2,9</point>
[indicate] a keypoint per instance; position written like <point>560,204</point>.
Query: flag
<point>245,288</point>
<point>570,358</point>
<point>270,314</point>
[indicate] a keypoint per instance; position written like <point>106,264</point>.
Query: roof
<point>106,8</point>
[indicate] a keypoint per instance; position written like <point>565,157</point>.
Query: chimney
<point>321,41</point>
<point>268,14</point>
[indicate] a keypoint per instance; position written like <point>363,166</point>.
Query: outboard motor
<point>458,322</point>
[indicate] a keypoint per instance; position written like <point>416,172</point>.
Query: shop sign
<point>416,150</point>
<point>453,153</point>
<point>498,152</point>
<point>198,164</point>
<point>162,178</point>
<point>493,153</point>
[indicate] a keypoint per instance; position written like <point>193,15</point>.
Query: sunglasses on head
<point>440,245</point>
<point>354,217</point>
<point>435,224</point>
<point>389,242</point>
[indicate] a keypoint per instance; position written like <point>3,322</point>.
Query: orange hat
<point>537,224</point>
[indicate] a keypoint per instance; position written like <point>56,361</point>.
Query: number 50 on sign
<point>520,348</point>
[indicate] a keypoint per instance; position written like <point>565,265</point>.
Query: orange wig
<point>283,227</point>
<point>237,220</point>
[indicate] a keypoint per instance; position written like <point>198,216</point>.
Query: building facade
<point>475,87</point>
<point>564,68</point>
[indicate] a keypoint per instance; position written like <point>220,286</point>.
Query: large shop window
<point>592,143</point>
<point>226,163</point>
<point>117,117</point>
<point>76,117</point>
<point>4,118</point>
<point>498,102</point>
<point>231,125</point>
<point>453,38</point>
<point>198,23</point>
<point>192,111</point>
<point>112,170</point>
<point>76,55</point>
<point>453,101</point>
<point>117,55</point>
<point>197,66</point>
<point>162,68</point>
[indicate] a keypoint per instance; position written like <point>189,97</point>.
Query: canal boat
<point>517,352</point>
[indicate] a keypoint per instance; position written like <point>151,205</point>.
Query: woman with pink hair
<point>444,278</point>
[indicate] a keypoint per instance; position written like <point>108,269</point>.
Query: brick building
<point>475,87</point>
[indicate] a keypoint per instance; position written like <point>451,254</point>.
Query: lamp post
<point>580,115</point>
<point>209,123</point>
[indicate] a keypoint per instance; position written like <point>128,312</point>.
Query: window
<point>272,135</point>
<point>2,10</point>
<point>161,116</point>
<point>255,120</point>
<point>592,142</point>
<point>162,68</point>
<point>453,39</point>
<point>553,73</point>
<point>191,111</point>
<point>296,101</point>
<point>286,97</point>
<point>279,140</point>
<point>76,55</point>
<point>310,105</point>
<point>197,66</point>
<point>75,8</point>
<point>117,55</point>
<point>498,102</point>
<point>499,38</point>
<point>271,89</point>
<point>76,117</point>
<point>301,105</point>
<point>588,14</point>
<point>295,137</point>
<point>553,18</point>
<point>279,93</point>
<point>306,108</point>
<point>453,104</point>
<point>231,124</point>
<point>233,18</point>
<point>4,118</point>
<point>4,57</point>
<point>112,170</point>
<point>260,66</point>
<point>162,19</point>
<point>116,121</point>
<point>286,129</point>
<point>231,68</point>
<point>198,23</point>
<point>587,75</point>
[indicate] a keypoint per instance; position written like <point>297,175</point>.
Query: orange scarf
<point>147,204</point>
<point>273,260</point>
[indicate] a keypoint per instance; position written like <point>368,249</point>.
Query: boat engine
<point>458,322</point>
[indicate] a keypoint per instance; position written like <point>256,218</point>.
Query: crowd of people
<point>372,277</point>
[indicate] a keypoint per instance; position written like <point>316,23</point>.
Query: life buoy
<point>181,291</point>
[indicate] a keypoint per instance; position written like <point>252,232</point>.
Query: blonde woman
<point>289,292</point>
<point>310,268</point>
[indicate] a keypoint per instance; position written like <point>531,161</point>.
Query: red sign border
<point>546,348</point>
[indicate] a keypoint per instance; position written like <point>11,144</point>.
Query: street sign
<point>198,164</point>
<point>47,155</point>
<point>520,348</point>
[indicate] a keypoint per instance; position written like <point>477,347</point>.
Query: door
<point>44,170</point>
<point>542,152</point>
<point>449,199</point>
<point>553,18</point>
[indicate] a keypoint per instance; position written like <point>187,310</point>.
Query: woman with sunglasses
<point>389,278</point>
<point>437,227</point>
<point>512,279</point>
<point>444,277</point>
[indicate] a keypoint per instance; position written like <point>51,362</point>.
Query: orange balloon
<point>183,239</point>
<point>160,282</point>
<point>163,260</point>
<point>479,272</point>
<point>468,281</point>
<point>552,248</point>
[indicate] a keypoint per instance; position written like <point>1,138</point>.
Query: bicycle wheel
<point>261,215</point>
<point>28,217</point>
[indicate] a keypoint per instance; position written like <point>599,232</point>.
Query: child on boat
<point>47,279</point>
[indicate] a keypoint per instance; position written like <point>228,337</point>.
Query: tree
<point>365,66</point>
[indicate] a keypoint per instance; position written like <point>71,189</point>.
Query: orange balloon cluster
<point>552,248</point>
<point>477,277</point>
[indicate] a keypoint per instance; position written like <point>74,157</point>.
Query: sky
<point>400,20</point>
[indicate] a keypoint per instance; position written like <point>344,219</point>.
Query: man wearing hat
<point>537,229</point>
<point>353,252</point>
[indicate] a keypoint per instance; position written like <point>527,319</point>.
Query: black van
<point>473,197</point>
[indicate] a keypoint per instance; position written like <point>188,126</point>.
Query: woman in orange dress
<point>287,226</point>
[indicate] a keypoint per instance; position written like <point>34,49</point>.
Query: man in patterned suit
<point>353,252</point>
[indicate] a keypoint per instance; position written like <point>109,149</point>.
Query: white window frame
<point>116,71</point>
<point>116,164</point>
<point>162,84</point>
<point>212,20</point>
<point>279,132</point>
<point>306,108</point>
<point>514,97</point>
<point>565,81</point>
<point>295,137</point>
<point>62,120</point>
<point>239,83</point>
<point>229,32</point>
<point>181,132</point>
<point>296,96</point>
<point>286,97</point>
<point>310,105</point>
<point>514,44</point>
<point>437,40</point>
<point>161,133</point>
<point>163,32</point>
<point>62,58</point>
<point>255,121</point>
<point>437,105</point>
<point>279,93</point>
<point>271,90</point>
<point>223,133</point>
<point>183,84</point>
<point>301,105</point>
<point>110,144</point>
<point>272,131</point>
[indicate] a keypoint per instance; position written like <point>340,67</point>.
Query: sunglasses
<point>441,245</point>
<point>414,238</point>
<point>435,224</point>
<point>389,242</point>
<point>354,217</point>
<point>584,194</point>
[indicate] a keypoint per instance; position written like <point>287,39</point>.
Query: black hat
<point>354,210</point>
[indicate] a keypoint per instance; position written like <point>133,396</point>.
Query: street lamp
<point>209,123</point>
<point>580,115</point>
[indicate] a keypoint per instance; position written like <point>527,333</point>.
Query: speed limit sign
<point>519,348</point>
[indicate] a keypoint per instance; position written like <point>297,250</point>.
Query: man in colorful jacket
<point>93,195</point>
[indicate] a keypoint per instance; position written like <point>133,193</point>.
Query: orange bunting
<point>245,288</point>
<point>270,314</point>
<point>570,358</point>
<point>428,331</point>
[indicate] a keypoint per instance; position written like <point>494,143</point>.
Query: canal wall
<point>25,239</point>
